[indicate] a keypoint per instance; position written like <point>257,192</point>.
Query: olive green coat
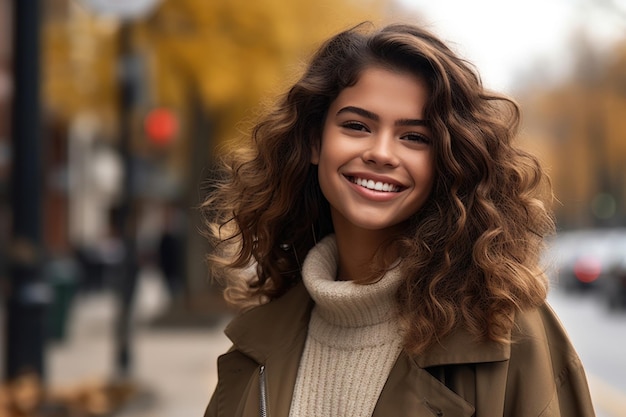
<point>539,374</point>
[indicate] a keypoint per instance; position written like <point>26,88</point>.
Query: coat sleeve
<point>573,394</point>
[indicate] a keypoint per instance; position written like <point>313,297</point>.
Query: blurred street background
<point>113,112</point>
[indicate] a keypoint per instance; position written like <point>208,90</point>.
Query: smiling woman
<point>394,229</point>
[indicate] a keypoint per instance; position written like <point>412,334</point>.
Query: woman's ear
<point>315,153</point>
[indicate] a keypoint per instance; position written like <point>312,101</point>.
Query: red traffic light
<point>161,126</point>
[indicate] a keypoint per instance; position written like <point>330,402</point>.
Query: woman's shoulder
<point>539,337</point>
<point>540,324</point>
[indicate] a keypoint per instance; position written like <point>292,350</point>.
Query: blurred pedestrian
<point>170,250</point>
<point>394,231</point>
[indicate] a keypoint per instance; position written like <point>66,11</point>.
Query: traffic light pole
<point>126,219</point>
<point>28,294</point>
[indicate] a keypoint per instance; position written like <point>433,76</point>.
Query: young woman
<point>383,232</point>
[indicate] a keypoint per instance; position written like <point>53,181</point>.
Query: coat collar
<point>280,325</point>
<point>460,347</point>
<point>273,327</point>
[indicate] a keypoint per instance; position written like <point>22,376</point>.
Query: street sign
<point>122,9</point>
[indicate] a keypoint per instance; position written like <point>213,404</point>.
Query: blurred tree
<point>580,128</point>
<point>230,53</point>
<point>79,63</point>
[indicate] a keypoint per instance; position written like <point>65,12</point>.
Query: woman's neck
<point>357,249</point>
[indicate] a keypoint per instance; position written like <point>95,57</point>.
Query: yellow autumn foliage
<point>234,53</point>
<point>229,54</point>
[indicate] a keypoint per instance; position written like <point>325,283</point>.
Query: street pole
<point>125,221</point>
<point>28,293</point>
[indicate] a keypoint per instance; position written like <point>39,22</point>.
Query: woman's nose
<point>380,150</point>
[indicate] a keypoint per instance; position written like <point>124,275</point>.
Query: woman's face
<point>375,161</point>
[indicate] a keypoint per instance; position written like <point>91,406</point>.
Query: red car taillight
<point>587,269</point>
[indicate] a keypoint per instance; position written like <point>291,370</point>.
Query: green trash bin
<point>63,275</point>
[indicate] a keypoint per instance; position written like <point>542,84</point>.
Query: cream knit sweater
<point>352,343</point>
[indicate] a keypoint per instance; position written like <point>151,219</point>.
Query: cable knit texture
<point>352,343</point>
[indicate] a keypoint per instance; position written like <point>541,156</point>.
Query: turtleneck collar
<point>344,303</point>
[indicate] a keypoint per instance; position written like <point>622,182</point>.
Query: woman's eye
<point>417,137</point>
<point>355,126</point>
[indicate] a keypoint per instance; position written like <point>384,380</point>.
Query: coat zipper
<point>263,393</point>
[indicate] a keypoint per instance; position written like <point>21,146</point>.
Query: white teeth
<point>378,186</point>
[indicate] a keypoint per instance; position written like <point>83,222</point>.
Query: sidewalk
<point>174,368</point>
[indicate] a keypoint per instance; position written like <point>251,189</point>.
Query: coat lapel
<point>273,327</point>
<point>273,335</point>
<point>412,391</point>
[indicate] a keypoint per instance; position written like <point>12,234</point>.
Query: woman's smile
<point>374,185</point>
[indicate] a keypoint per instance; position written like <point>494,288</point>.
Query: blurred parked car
<point>615,286</point>
<point>586,259</point>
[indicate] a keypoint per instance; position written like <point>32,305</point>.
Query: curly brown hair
<point>471,253</point>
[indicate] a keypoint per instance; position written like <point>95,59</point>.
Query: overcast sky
<point>504,38</point>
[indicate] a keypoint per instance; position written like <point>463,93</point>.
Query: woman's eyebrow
<point>373,116</point>
<point>361,112</point>
<point>411,122</point>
